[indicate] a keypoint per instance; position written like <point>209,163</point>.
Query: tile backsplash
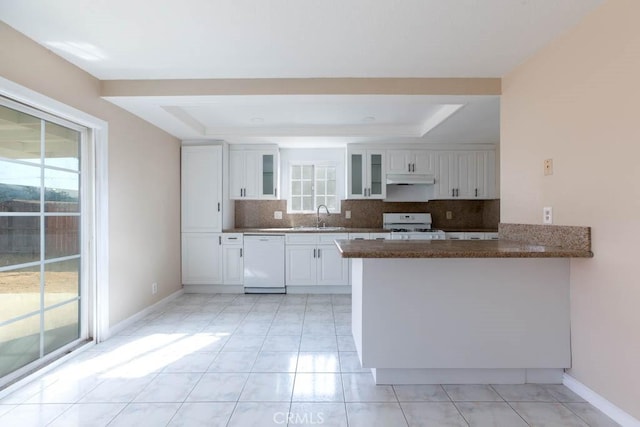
<point>465,214</point>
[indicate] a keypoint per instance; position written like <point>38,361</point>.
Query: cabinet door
<point>300,265</point>
<point>376,175</point>
<point>232,265</point>
<point>357,175</point>
<point>466,164</point>
<point>398,161</point>
<point>446,175</point>
<point>423,161</point>
<point>201,187</point>
<point>269,175</point>
<point>201,258</point>
<point>236,174</point>
<point>332,268</point>
<point>252,174</point>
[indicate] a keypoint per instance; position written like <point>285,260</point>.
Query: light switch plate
<point>347,214</point>
<point>277,214</point>
<point>548,167</point>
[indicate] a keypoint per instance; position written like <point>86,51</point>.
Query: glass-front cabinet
<point>366,176</point>
<point>253,172</point>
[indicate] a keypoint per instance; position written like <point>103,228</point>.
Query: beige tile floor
<point>261,360</point>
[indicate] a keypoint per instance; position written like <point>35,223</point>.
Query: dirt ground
<point>12,282</point>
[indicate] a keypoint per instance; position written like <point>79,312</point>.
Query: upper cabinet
<point>253,172</point>
<point>466,175</point>
<point>366,174</point>
<point>201,187</point>
<point>411,161</point>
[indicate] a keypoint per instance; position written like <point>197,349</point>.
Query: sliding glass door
<point>42,280</point>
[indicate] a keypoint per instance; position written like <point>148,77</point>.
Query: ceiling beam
<point>316,86</point>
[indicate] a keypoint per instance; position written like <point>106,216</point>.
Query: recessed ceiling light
<point>369,119</point>
<point>257,120</point>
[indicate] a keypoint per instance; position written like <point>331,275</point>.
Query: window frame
<point>314,164</point>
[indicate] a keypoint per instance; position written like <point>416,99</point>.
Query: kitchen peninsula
<point>434,312</point>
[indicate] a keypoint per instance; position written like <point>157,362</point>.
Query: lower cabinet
<point>471,236</point>
<point>212,259</point>
<point>201,258</point>
<point>313,259</point>
<point>232,259</point>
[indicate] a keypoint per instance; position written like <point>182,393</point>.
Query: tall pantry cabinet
<point>202,197</point>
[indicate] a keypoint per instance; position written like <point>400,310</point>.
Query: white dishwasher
<point>264,263</point>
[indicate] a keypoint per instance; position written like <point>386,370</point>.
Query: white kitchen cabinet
<point>313,259</point>
<point>474,236</point>
<point>201,188</point>
<point>366,176</point>
<point>201,258</point>
<point>465,175</point>
<point>359,236</point>
<point>369,236</point>
<point>232,259</point>
<point>411,161</point>
<point>253,172</point>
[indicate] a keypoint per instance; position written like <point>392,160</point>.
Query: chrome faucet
<point>318,214</point>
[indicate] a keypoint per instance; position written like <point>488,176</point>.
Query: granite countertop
<point>453,249</point>
<point>284,230</point>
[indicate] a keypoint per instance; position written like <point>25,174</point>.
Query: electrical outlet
<point>449,215</point>
<point>548,167</point>
<point>547,215</point>
<point>347,214</point>
<point>154,288</point>
<point>277,214</point>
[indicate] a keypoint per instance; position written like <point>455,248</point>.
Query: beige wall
<point>144,176</point>
<point>576,101</point>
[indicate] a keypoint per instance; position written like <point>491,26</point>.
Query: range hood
<point>410,179</point>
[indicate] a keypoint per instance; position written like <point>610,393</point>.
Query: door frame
<point>98,250</point>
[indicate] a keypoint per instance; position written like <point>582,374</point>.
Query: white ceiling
<point>211,39</point>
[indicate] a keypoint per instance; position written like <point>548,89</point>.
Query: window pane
<point>296,172</point>
<point>331,187</point>
<point>61,236</point>
<point>61,146</point>
<point>307,203</point>
<point>307,188</point>
<point>61,281</point>
<point>19,292</point>
<point>331,173</point>
<point>19,187</point>
<point>19,344</point>
<point>321,172</point>
<point>61,326</point>
<point>19,240</point>
<point>20,135</point>
<point>268,181</point>
<point>296,188</point>
<point>321,187</point>
<point>320,200</point>
<point>61,191</point>
<point>307,172</point>
<point>296,203</point>
<point>332,203</point>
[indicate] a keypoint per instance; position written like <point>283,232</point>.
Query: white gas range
<point>411,226</point>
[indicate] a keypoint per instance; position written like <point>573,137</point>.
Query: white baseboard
<point>608,408</point>
<point>121,326</point>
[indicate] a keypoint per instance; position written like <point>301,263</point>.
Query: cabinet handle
<point>408,167</point>
<point>240,252</point>
<point>218,206</point>
<point>219,240</point>
<point>476,192</point>
<point>275,192</point>
<point>453,192</point>
<point>413,167</point>
<point>318,252</point>
<point>314,253</point>
<point>457,192</point>
<point>241,192</point>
